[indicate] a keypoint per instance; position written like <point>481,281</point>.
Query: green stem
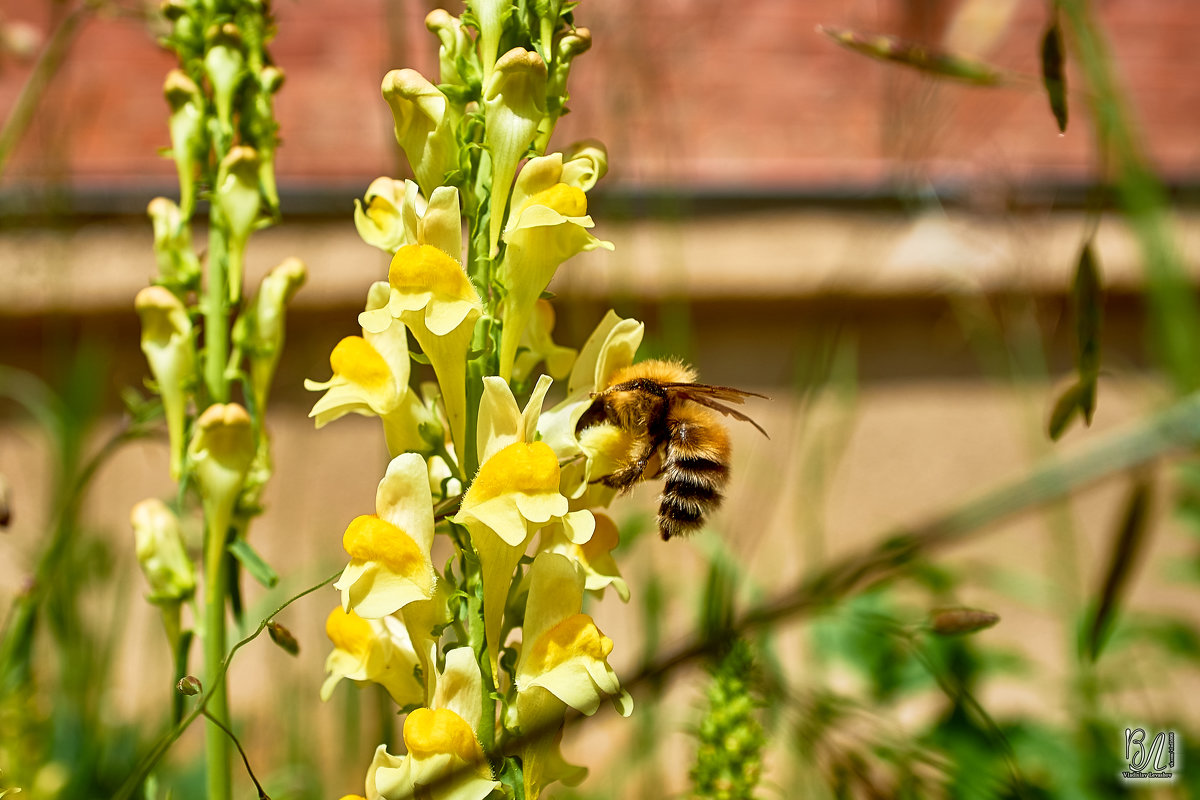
<point>148,761</point>
<point>216,589</point>
<point>473,581</point>
<point>216,318</point>
<point>51,58</point>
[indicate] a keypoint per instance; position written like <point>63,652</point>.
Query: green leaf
<point>1063,411</point>
<point>1087,296</point>
<point>1131,536</point>
<point>249,558</point>
<point>941,63</point>
<point>1053,77</point>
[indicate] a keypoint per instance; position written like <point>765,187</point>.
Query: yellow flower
<point>370,377</point>
<point>375,650</point>
<point>563,662</point>
<point>594,556</point>
<point>381,222</point>
<point>435,300</point>
<point>547,225</point>
<point>537,344</point>
<point>610,347</point>
<point>514,494</point>
<point>442,743</point>
<point>425,126</point>
<point>167,344</point>
<point>390,564</point>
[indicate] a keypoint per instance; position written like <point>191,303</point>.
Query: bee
<point>670,429</point>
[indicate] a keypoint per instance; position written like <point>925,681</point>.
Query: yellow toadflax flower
<point>397,214</point>
<point>513,495</point>
<point>370,377</point>
<point>390,564</point>
<point>375,650</point>
<point>435,300</point>
<point>563,662</point>
<point>442,743</point>
<point>610,347</point>
<point>547,225</point>
<point>381,222</point>
<point>593,557</point>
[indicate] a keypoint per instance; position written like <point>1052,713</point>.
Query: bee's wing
<point>709,396</point>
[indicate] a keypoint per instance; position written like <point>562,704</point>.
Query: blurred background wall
<point>886,255</point>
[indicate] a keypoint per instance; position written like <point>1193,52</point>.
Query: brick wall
<point>697,93</point>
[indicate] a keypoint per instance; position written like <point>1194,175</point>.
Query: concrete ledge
<point>99,266</point>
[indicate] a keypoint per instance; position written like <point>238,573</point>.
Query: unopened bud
<point>236,196</point>
<point>958,621</point>
<point>283,637</point>
<point>265,324</point>
<point>225,65</point>
<point>160,551</point>
<point>167,344</point>
<point>189,685</point>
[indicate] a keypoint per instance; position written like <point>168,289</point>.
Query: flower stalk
<point>501,645</point>
<point>213,360</point>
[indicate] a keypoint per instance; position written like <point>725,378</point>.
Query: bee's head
<point>595,413</point>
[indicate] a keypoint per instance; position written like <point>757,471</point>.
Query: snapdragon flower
<point>547,225</point>
<point>514,494</point>
<point>390,564</point>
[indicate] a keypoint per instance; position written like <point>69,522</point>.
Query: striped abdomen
<point>695,469</point>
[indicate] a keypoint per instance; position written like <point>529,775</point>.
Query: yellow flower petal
<point>360,363</point>
<point>369,538</point>
<point>575,637</point>
<point>348,631</point>
<point>518,468</point>
<point>435,731</point>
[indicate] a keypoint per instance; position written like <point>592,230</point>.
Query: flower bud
<point>160,551</point>
<point>490,14</point>
<point>186,124</point>
<point>177,262</point>
<point>271,79</point>
<point>455,48</point>
<point>284,638</point>
<point>424,127</point>
<point>222,450</point>
<point>237,199</point>
<point>266,329</point>
<point>172,9</point>
<point>514,99</point>
<point>189,685</point>
<point>167,343</point>
<point>20,39</point>
<point>224,63</point>
<point>957,621</point>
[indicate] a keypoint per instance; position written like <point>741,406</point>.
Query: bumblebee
<point>669,428</point>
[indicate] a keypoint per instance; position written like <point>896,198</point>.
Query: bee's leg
<point>634,469</point>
